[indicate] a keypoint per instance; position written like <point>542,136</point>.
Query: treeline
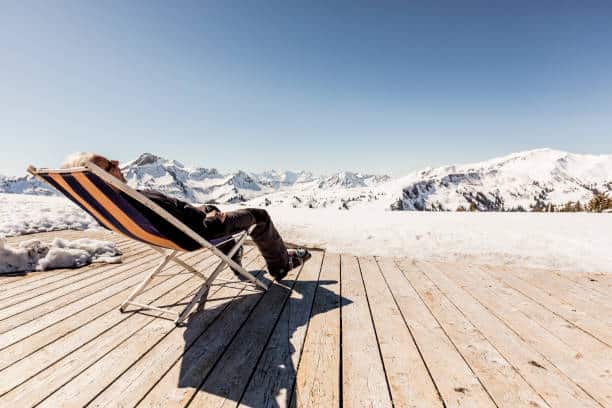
<point>599,203</point>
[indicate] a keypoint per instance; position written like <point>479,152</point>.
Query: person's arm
<point>189,215</point>
<point>208,208</point>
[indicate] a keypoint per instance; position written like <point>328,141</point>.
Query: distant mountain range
<point>524,180</point>
<point>207,185</point>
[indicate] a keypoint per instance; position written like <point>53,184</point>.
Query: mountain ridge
<point>525,180</point>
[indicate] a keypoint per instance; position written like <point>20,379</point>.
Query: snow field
<point>579,242</point>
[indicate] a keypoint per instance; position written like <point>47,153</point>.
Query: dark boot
<point>296,258</point>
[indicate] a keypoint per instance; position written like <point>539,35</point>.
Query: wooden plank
<point>60,314</point>
<point>588,300</point>
<point>454,378</point>
<point>83,388</point>
<point>593,379</point>
<point>88,334</point>
<point>52,276</point>
<point>181,383</point>
<point>592,351</point>
<point>363,376</point>
<point>91,277</point>
<point>133,384</point>
<point>58,300</point>
<point>548,381</point>
<point>318,376</point>
<point>9,282</point>
<point>502,381</point>
<point>45,382</point>
<point>62,279</point>
<point>601,281</point>
<point>586,322</point>
<point>407,375</point>
<point>228,379</point>
<point>273,378</point>
<point>588,281</point>
<point>26,339</point>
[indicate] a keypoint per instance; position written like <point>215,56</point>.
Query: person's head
<point>80,159</point>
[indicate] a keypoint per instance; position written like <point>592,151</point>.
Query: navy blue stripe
<point>122,200</point>
<point>218,240</point>
<point>124,205</point>
<point>80,190</point>
<point>69,196</point>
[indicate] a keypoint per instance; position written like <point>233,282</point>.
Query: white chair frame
<point>170,255</point>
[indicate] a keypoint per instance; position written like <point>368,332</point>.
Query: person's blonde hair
<point>78,160</point>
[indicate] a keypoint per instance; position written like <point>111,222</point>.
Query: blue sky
<point>385,87</point>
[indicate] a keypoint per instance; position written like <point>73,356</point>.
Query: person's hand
<point>219,214</point>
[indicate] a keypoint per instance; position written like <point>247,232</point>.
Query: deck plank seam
<point>144,354</point>
<point>564,299</point>
<point>410,332</point>
<point>41,276</point>
<point>544,328</point>
<point>449,338</point>
<point>167,277</point>
<point>88,342</point>
<point>526,343</point>
<point>580,283</point>
<point>194,342</point>
<point>380,354</point>
<point>297,367</point>
<point>286,301</point>
<point>518,371</point>
<point>212,369</point>
<point>59,386</point>
<point>127,316</point>
<point>111,273</point>
<point>24,277</point>
<point>76,275</point>
<point>579,327</point>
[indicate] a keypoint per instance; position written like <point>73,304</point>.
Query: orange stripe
<point>120,216</point>
<point>59,180</point>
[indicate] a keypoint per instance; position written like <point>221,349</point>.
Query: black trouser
<point>264,235</point>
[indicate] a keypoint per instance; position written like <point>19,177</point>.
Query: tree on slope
<point>599,202</point>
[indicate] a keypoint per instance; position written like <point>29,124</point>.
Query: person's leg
<point>269,241</point>
<point>265,235</point>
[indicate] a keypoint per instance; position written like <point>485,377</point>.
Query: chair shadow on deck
<point>233,379</point>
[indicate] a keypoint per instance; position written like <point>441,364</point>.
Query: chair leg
<point>200,295</point>
<point>239,268</point>
<point>202,300</point>
<point>146,281</point>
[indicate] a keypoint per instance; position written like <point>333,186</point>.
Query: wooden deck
<point>342,331</point>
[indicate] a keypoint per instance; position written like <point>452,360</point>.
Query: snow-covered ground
<point>26,214</point>
<point>578,242</point>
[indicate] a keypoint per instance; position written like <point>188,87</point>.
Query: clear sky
<point>378,86</point>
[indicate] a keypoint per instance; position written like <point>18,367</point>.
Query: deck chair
<point>118,207</point>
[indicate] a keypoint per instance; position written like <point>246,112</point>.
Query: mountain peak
<point>146,158</point>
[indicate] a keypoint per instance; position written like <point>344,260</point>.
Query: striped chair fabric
<point>117,212</point>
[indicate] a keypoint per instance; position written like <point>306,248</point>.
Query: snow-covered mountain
<point>534,178</point>
<point>528,179</point>
<point>25,185</point>
<point>204,185</point>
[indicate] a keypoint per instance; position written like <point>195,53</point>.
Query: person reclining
<point>209,222</point>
